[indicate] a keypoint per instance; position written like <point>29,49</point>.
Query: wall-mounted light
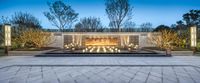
<point>193,34</point>
<point>7,37</point>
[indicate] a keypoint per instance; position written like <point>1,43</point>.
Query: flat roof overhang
<point>103,33</point>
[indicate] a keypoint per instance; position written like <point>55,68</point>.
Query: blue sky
<point>155,11</point>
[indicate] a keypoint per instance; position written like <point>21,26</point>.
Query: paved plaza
<point>29,69</point>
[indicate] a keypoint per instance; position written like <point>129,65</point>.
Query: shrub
<point>165,39</point>
<point>15,45</point>
<point>34,38</point>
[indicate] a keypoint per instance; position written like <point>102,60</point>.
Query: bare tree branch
<point>61,15</point>
<point>118,11</point>
<point>90,24</point>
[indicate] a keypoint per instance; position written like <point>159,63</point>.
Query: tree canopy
<point>161,27</point>
<point>89,24</point>
<point>3,20</point>
<point>192,18</point>
<point>118,11</point>
<point>164,39</point>
<point>146,27</point>
<point>21,21</point>
<point>61,15</point>
<point>25,20</point>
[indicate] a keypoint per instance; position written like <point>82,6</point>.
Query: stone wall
<point>59,41</point>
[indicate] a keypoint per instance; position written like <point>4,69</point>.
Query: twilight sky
<point>155,11</point>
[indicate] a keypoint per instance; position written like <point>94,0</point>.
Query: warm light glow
<point>104,49</point>
<point>193,34</point>
<point>101,41</point>
<point>7,31</point>
<point>136,47</point>
<point>119,51</point>
<point>100,49</point>
<point>83,51</point>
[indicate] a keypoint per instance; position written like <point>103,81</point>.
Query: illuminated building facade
<point>102,41</point>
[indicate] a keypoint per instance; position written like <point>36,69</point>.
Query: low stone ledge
<point>176,53</point>
<point>182,53</point>
<point>28,53</point>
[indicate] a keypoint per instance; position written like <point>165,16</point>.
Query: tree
<point>192,18</point>
<point>146,27</point>
<point>183,39</point>
<point>34,36</point>
<point>118,11</point>
<point>183,34</point>
<point>25,20</point>
<point>22,22</point>
<point>3,20</point>
<point>161,27</point>
<point>163,39</point>
<point>78,28</point>
<point>61,15</point>
<point>129,26</point>
<point>90,24</point>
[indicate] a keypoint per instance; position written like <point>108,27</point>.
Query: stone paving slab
<point>29,69</point>
<point>100,74</point>
<point>30,60</point>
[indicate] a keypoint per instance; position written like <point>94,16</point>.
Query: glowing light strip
<point>193,35</point>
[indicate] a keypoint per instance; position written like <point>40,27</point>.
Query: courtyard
<point>99,41</point>
<point>30,69</point>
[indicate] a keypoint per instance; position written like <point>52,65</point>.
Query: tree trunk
<point>168,52</point>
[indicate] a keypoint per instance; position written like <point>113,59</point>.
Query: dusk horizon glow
<point>157,12</point>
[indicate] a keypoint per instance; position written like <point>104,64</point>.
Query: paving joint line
<point>100,66</point>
